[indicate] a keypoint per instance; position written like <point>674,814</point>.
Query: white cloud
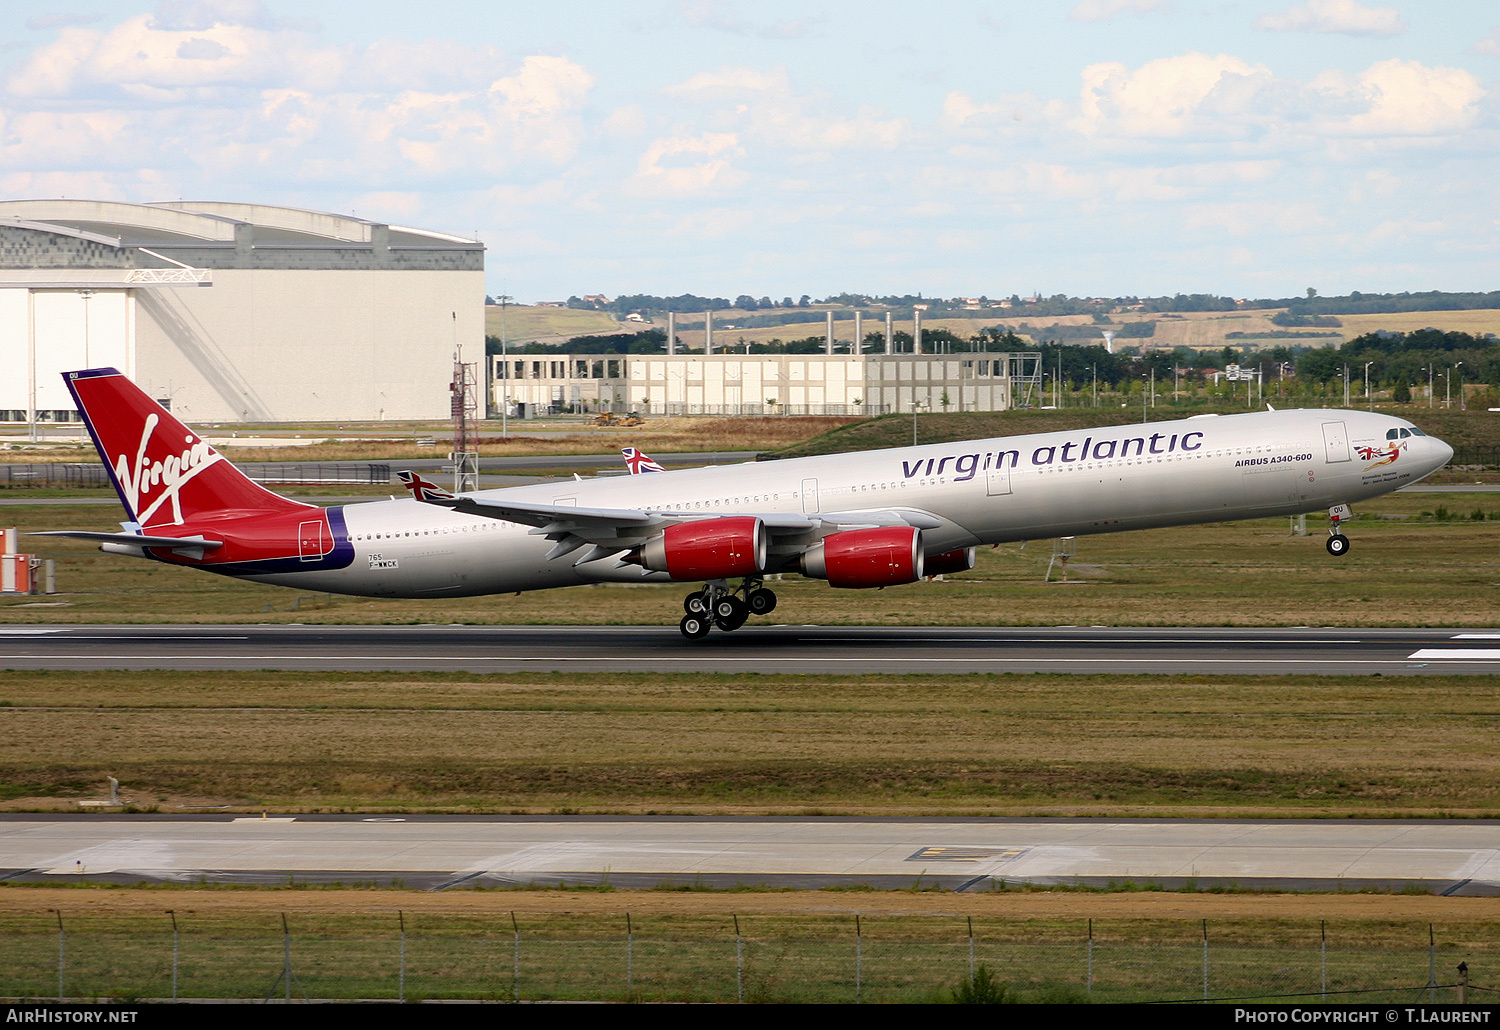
<point>1407,98</point>
<point>762,106</point>
<point>1346,17</point>
<point>1103,10</point>
<point>1194,96</point>
<point>1162,97</point>
<point>1489,44</point>
<point>679,165</point>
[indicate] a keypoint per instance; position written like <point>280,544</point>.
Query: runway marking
<point>938,853</point>
<point>1476,636</point>
<point>9,632</point>
<point>1476,654</point>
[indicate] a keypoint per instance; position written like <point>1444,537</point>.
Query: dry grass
<point>1371,918</point>
<point>1007,744</point>
<point>666,435</point>
<point>523,322</point>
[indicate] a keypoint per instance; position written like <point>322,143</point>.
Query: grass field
<point>1015,744</point>
<point>912,947</point>
<point>524,322</point>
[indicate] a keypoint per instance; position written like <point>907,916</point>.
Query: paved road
<point>962,854</point>
<point>763,649</point>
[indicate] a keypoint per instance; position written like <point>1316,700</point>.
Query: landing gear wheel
<point>1338,545</point>
<point>762,602</point>
<point>694,603</point>
<point>695,627</point>
<point>730,613</point>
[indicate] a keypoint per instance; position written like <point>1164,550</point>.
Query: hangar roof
<point>221,234</point>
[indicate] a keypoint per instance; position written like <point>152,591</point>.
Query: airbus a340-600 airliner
<point>869,519</point>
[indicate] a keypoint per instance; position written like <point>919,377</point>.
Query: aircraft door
<point>809,496</point>
<point>310,540</point>
<point>1336,441</point>
<point>997,481</point>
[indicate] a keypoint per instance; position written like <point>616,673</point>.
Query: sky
<point>726,147</point>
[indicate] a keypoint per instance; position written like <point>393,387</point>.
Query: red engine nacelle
<point>867,557</point>
<point>961,560</point>
<point>711,549</point>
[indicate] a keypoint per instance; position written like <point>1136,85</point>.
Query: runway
<point>842,650</point>
<point>438,852</point>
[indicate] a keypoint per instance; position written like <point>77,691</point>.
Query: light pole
<point>1460,367</point>
<point>1369,402</point>
<point>505,366</point>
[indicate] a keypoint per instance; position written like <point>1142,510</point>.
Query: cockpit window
<point>1393,434</point>
<point>1405,433</point>
<point>1417,432</point>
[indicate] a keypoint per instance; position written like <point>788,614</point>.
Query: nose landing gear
<point>1338,543</point>
<point>717,605</point>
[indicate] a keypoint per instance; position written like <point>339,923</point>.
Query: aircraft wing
<point>612,531</point>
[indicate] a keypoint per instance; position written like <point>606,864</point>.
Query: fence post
<point>1431,967</point>
<point>175,951</point>
<point>515,976</point>
<point>1091,958</point>
<point>1205,961</point>
<point>858,962</point>
<point>739,963</point>
<point>401,976</point>
<point>62,953</point>
<point>971,947</point>
<point>286,956</point>
<point>1323,926</point>
<point>629,958</point>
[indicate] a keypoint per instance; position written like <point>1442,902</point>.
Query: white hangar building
<point>234,312</point>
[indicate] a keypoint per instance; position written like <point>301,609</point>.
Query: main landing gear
<point>717,605</point>
<point>1338,543</point>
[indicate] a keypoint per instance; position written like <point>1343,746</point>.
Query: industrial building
<point>761,384</point>
<point>234,312</point>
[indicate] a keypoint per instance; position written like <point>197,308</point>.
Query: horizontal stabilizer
<point>135,539</point>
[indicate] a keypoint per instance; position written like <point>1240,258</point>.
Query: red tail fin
<point>165,473</point>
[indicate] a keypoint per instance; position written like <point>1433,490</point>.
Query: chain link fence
<point>507,958</point>
<point>70,475</point>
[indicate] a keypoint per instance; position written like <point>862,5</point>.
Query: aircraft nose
<point>1444,452</point>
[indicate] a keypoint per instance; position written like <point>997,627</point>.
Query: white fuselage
<point>1206,469</point>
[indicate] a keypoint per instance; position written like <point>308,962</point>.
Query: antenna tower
<point>465,400</point>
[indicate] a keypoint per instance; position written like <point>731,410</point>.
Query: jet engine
<point>961,560</point>
<point>710,549</point>
<point>867,557</point>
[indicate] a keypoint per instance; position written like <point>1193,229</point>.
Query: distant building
<point>761,384</point>
<point>233,312</point>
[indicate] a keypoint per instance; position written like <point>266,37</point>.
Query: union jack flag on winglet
<point>638,461</point>
<point>421,489</point>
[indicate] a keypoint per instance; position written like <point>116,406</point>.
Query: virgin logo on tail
<point>165,473</point>
<point>171,473</point>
